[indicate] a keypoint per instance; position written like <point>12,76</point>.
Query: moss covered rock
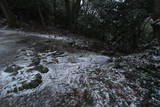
<point>35,61</point>
<point>36,80</point>
<point>39,68</point>
<point>12,69</point>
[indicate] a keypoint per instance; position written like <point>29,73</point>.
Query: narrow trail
<point>64,62</point>
<point>38,70</point>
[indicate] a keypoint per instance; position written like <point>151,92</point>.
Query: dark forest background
<point>123,25</point>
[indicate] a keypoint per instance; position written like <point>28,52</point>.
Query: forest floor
<point>41,70</point>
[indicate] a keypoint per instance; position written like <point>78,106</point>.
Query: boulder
<point>41,69</point>
<point>147,30</point>
<point>12,69</point>
<point>36,80</point>
<point>35,61</point>
<point>156,59</point>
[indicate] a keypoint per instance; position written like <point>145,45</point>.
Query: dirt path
<point>9,47</point>
<point>38,70</point>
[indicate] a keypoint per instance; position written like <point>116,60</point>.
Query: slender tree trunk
<point>8,14</point>
<point>41,17</point>
<point>68,12</point>
<point>54,11</point>
<point>75,10</point>
<point>72,11</point>
<point>156,18</point>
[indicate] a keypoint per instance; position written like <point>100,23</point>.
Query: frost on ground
<point>51,72</point>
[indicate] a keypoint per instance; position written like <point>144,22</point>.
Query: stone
<point>12,69</point>
<point>147,30</point>
<point>156,59</point>
<point>37,79</point>
<point>36,61</point>
<point>39,68</point>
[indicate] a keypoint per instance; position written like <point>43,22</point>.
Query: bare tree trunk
<point>156,18</point>
<point>54,11</point>
<point>72,11</point>
<point>41,17</point>
<point>75,10</point>
<point>8,14</point>
<point>68,12</point>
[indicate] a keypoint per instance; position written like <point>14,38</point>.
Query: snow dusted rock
<point>39,68</point>
<point>156,58</point>
<point>36,61</point>
<point>147,30</point>
<point>12,69</point>
<point>33,83</point>
<point>99,59</point>
<point>81,78</point>
<point>19,85</point>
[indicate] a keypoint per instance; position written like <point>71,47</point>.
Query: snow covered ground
<point>41,70</point>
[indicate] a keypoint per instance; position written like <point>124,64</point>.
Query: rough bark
<point>8,14</point>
